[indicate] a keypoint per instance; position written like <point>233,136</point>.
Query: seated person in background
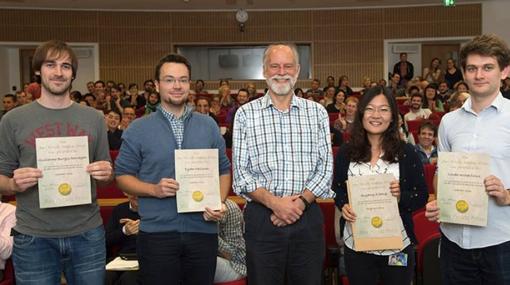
<point>432,101</point>
<point>203,106</point>
<point>444,92</point>
<point>231,260</point>
<point>425,147</point>
<point>128,115</point>
<point>457,100</point>
<point>241,99</point>
<point>152,102</point>
<point>121,232</point>
<point>315,88</point>
<point>252,91</point>
<point>343,84</point>
<point>7,222</point>
<point>113,120</point>
<point>334,103</point>
<point>199,87</point>
<point>416,112</point>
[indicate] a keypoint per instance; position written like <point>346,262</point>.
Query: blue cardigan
<point>147,152</point>
<point>413,189</point>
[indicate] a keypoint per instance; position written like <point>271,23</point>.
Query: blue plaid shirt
<point>177,124</point>
<point>284,152</point>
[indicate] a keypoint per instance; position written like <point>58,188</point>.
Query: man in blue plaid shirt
<point>282,162</point>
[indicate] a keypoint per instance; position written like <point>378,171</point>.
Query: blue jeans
<point>479,266</point>
<point>41,261</point>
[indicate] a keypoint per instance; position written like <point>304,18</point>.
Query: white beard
<point>281,89</point>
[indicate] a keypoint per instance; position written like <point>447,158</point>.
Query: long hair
<point>360,150</point>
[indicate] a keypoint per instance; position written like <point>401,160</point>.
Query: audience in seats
<point>241,99</point>
<point>426,138</point>
<point>375,149</point>
<point>121,233</point>
<point>329,97</point>
<point>113,119</point>
<point>416,112</point>
<point>404,69</point>
<point>452,74</point>
<point>331,83</point>
<point>461,86</point>
<point>9,102</point>
<point>338,102</point>
<point>432,101</point>
<point>114,101</point>
<point>231,259</point>
<point>136,99</point>
<point>7,222</point>
<point>299,92</point>
<point>433,73</point>
<point>216,105</point>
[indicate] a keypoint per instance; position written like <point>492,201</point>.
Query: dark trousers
<point>367,269</point>
<point>121,277</point>
<point>171,258</point>
<point>293,254</point>
<point>480,266</point>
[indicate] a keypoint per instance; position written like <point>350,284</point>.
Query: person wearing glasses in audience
<point>172,248</point>
<point>375,148</point>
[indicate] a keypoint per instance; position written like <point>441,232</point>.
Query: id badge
<point>397,259</point>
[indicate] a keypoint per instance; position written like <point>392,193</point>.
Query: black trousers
<point>293,254</point>
<point>367,269</point>
<point>177,258</point>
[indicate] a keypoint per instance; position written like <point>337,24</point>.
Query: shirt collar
<point>295,101</point>
<point>185,114</point>
<point>497,104</point>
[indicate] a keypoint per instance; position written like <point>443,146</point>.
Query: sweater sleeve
<point>340,177</point>
<point>413,188</point>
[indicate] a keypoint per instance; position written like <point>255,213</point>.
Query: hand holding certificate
<point>461,195</point>
<point>63,162</point>
<point>197,172</point>
<point>378,224</point>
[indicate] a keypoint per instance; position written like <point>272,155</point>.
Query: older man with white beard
<point>282,162</point>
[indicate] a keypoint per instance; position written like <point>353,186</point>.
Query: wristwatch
<point>307,204</point>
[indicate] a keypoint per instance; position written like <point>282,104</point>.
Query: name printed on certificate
<point>378,223</point>
<point>197,172</point>
<point>63,162</point>
<point>461,193</point>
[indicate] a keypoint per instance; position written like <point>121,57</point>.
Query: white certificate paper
<point>63,162</point>
<point>197,172</point>
<point>378,222</point>
<point>461,195</point>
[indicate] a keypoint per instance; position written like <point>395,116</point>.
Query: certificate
<point>63,162</point>
<point>461,195</point>
<point>197,172</point>
<point>378,223</point>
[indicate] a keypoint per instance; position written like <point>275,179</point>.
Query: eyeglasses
<point>383,110</point>
<point>172,81</point>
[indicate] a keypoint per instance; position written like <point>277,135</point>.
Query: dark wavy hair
<point>392,146</point>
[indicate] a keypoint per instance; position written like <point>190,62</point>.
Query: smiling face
<point>377,116</point>
<point>173,85</point>
<point>426,137</point>
<point>281,70</point>
<point>56,75</point>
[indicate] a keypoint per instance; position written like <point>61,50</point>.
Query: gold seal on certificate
<point>376,222</point>
<point>462,206</point>
<point>197,196</point>
<point>64,189</point>
<point>461,194</point>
